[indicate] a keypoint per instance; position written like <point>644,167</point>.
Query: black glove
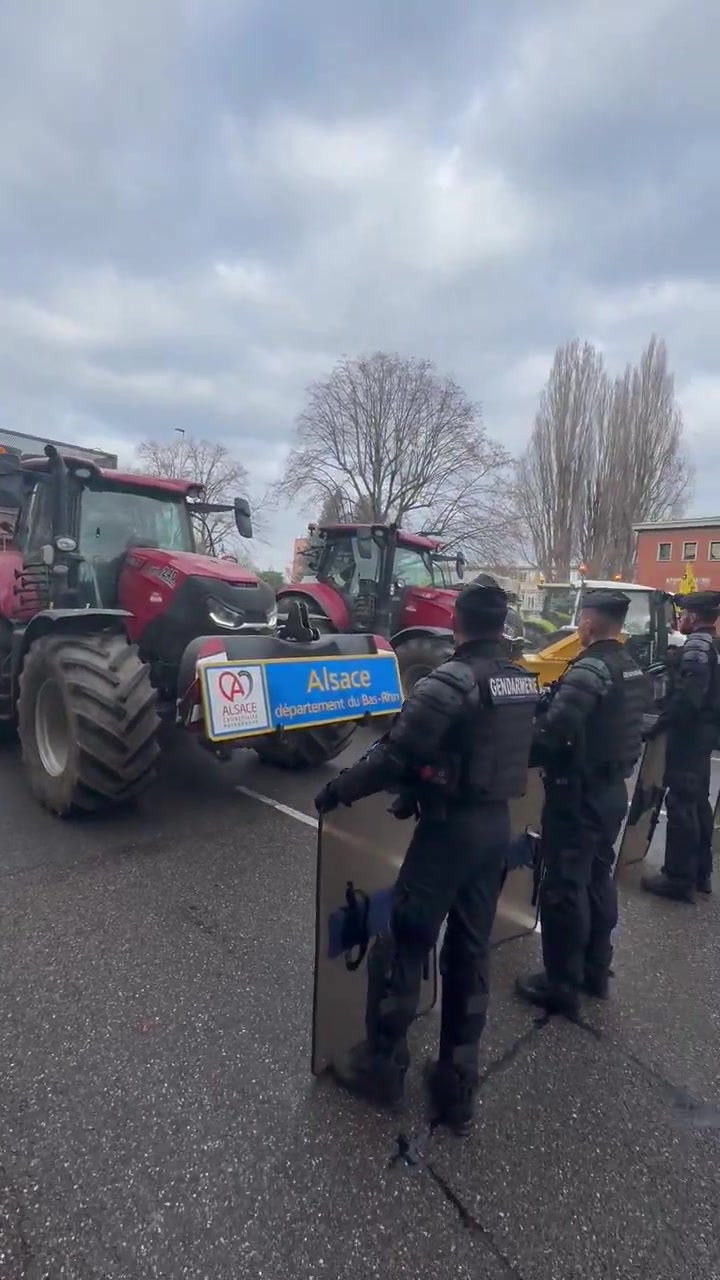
<point>327,799</point>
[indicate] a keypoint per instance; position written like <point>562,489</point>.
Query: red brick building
<point>663,551</point>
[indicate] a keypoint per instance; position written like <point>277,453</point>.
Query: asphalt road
<point>158,1118</point>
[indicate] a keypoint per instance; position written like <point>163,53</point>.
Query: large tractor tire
<point>88,722</point>
<point>419,656</point>
<point>306,748</point>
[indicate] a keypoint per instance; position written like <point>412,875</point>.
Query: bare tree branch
<point>212,465</point>
<point>603,455</point>
<point>386,438</point>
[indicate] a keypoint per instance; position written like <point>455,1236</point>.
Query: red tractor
<point>106,608</point>
<point>381,579</point>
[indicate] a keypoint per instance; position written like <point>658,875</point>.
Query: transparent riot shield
<point>360,851</point>
<point>645,806</point>
<point>518,908</point>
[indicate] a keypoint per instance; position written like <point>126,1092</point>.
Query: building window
<point>689,551</point>
<point>664,550</point>
<point>714,551</point>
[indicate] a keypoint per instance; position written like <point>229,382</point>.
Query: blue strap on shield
<point>359,920</point>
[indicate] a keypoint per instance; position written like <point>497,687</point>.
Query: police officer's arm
<point>578,693</point>
<point>438,702</point>
<point>691,685</point>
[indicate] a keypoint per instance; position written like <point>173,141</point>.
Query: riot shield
<point>645,806</point>
<point>518,909</point>
<point>360,851</point>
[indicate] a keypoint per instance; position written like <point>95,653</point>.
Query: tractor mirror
<point>460,563</point>
<point>243,518</point>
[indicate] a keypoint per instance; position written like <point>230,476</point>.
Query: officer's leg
<point>422,897</point>
<point>564,910</point>
<point>465,969</point>
<point>679,875</point>
<point>603,818</point>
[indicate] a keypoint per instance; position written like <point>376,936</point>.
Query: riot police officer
<point>587,741</point>
<point>691,719</point>
<point>460,748</point>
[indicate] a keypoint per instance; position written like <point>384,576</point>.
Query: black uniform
<point>460,748</point>
<point>587,742</point>
<point>691,720</point>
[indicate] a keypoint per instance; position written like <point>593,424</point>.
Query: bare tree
<point>399,443</point>
<point>552,473</point>
<point>603,455</point>
<point>223,478</point>
<point>651,476</point>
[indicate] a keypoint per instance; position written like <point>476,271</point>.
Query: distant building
<point>18,442</point>
<point>523,580</point>
<point>664,549</point>
<point>297,566</point>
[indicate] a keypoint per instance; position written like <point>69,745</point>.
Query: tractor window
<point>413,568</point>
<point>344,568</point>
<point>39,520</point>
<point>637,622</point>
<point>113,519</point>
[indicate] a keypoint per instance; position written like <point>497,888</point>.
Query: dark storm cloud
<point>203,204</point>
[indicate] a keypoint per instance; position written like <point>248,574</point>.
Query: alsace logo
<point>236,686</point>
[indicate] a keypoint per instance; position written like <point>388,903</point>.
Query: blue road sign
<point>247,699</point>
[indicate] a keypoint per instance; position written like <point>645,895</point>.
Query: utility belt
<point>436,791</point>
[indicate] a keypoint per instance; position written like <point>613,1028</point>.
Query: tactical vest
<point>501,731</point>
<point>613,734</point>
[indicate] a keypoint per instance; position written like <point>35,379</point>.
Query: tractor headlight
<point>224,616</point>
<point>272,617</point>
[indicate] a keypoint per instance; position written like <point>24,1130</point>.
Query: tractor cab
<point>73,525</point>
<point>383,579</point>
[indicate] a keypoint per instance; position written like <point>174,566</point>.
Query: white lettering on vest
<point>505,688</point>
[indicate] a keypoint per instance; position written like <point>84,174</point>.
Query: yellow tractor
<point>650,626</point>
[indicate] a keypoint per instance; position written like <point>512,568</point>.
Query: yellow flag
<point>687,582</point>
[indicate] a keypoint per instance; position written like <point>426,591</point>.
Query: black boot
<point>663,887</point>
<point>554,997</point>
<point>704,885</point>
<point>596,983</point>
<point>452,1097</point>
<point>373,1074</point>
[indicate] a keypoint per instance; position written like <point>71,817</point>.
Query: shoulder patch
<point>513,688</point>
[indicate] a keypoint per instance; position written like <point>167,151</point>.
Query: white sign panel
<point>236,701</point>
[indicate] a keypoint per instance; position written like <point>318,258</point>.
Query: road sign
<point>248,699</point>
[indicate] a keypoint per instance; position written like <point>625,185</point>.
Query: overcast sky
<point>203,204</point>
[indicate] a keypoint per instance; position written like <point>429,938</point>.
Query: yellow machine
<point>650,627</point>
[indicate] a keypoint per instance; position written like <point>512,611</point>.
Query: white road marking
<point>301,817</point>
<point>281,808</point>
